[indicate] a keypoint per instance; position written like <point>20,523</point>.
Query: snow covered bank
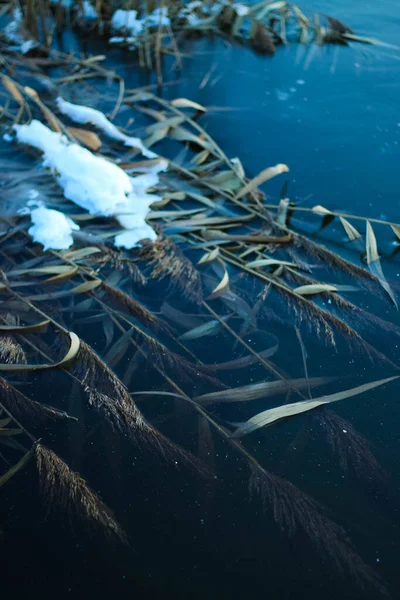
<point>86,115</point>
<point>94,183</point>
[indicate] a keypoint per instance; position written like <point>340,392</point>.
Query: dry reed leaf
<point>315,288</point>
<point>206,329</point>
<point>185,103</point>
<point>371,245</point>
<point>222,286</point>
<point>267,417</point>
<point>263,389</point>
<point>11,87</point>
<point>63,363</point>
<point>209,257</point>
<point>261,178</point>
<point>24,328</point>
<point>350,230</point>
<point>57,270</point>
<point>321,210</point>
<point>90,139</point>
<point>270,262</point>
<point>68,274</point>
<point>374,264</point>
<point>5,431</point>
<point>242,363</point>
<point>82,253</point>
<point>17,467</point>
<point>396,230</point>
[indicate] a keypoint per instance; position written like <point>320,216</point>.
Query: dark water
<point>332,115</point>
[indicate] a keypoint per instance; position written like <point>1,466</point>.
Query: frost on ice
<point>94,183</point>
<point>84,114</point>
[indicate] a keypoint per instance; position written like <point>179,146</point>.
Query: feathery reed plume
<point>350,447</point>
<point>166,260</point>
<point>67,491</point>
<point>132,306</point>
<point>22,406</point>
<point>118,261</point>
<point>107,393</point>
<point>11,351</point>
<point>322,253</point>
<point>294,511</point>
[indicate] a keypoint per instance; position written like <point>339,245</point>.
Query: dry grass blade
<point>350,230</point>
<point>242,363</point>
<point>314,288</point>
<point>261,178</point>
<point>24,328</point>
<point>66,491</point>
<point>267,417</point>
<point>374,264</point>
<point>185,103</point>
<point>90,139</point>
<point>264,389</point>
<point>222,286</point>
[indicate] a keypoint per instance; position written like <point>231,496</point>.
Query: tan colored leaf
<point>396,230</point>
<point>315,288</point>
<point>371,245</point>
<point>185,103</point>
<point>374,264</point>
<point>209,257</point>
<point>261,178</point>
<point>351,231</point>
<point>24,328</point>
<point>267,417</point>
<point>11,87</point>
<point>221,287</point>
<point>90,139</point>
<point>263,389</point>
<point>321,210</point>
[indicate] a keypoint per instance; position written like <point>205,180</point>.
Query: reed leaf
<point>267,417</point>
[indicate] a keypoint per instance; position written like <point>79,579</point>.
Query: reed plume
<point>165,260</point>
<point>11,351</point>
<point>67,491</point>
<point>107,393</point>
<point>349,447</point>
<point>295,512</point>
<point>22,406</point>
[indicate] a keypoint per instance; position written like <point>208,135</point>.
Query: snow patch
<point>94,183</point>
<point>51,228</point>
<point>84,114</point>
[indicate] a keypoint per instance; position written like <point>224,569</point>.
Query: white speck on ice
<point>84,114</point>
<point>94,183</point>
